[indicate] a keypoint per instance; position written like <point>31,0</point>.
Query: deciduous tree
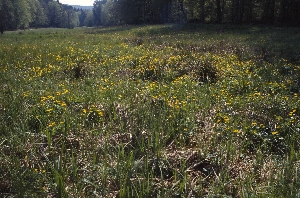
<point>6,13</point>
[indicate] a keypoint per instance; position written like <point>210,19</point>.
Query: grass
<point>150,111</point>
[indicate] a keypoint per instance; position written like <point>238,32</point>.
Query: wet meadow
<point>178,110</point>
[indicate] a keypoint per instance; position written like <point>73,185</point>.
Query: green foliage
<point>6,8</point>
<point>89,19</point>
<point>23,14</point>
<point>150,111</point>
<point>97,12</point>
<point>204,11</point>
<point>109,13</point>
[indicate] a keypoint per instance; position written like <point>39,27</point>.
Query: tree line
<point>272,12</point>
<point>22,14</point>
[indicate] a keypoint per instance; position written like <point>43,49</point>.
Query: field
<point>150,111</point>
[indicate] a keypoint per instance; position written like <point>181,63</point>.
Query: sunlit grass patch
<point>149,111</point>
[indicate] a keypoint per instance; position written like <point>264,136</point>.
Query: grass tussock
<point>150,111</point>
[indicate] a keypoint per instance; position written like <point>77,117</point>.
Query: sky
<point>77,2</point>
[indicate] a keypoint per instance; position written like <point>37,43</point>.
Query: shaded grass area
<point>150,111</point>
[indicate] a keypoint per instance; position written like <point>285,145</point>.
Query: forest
<point>24,14</point>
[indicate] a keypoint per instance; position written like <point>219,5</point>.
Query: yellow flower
<point>274,132</point>
<point>49,110</point>
<point>292,112</point>
<point>51,124</point>
<point>84,110</point>
<point>236,131</point>
<point>99,113</point>
<point>65,91</point>
<point>226,119</point>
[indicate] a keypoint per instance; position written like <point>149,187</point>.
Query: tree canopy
<point>22,14</point>
<point>278,12</point>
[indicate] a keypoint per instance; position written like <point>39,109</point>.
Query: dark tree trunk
<point>241,11</point>
<point>1,23</point>
<point>219,11</point>
<point>182,10</point>
<point>269,12</point>
<point>283,12</point>
<point>202,11</point>
<point>165,15</point>
<point>235,11</point>
<point>3,17</point>
<point>294,12</point>
<point>272,11</point>
<point>248,11</point>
